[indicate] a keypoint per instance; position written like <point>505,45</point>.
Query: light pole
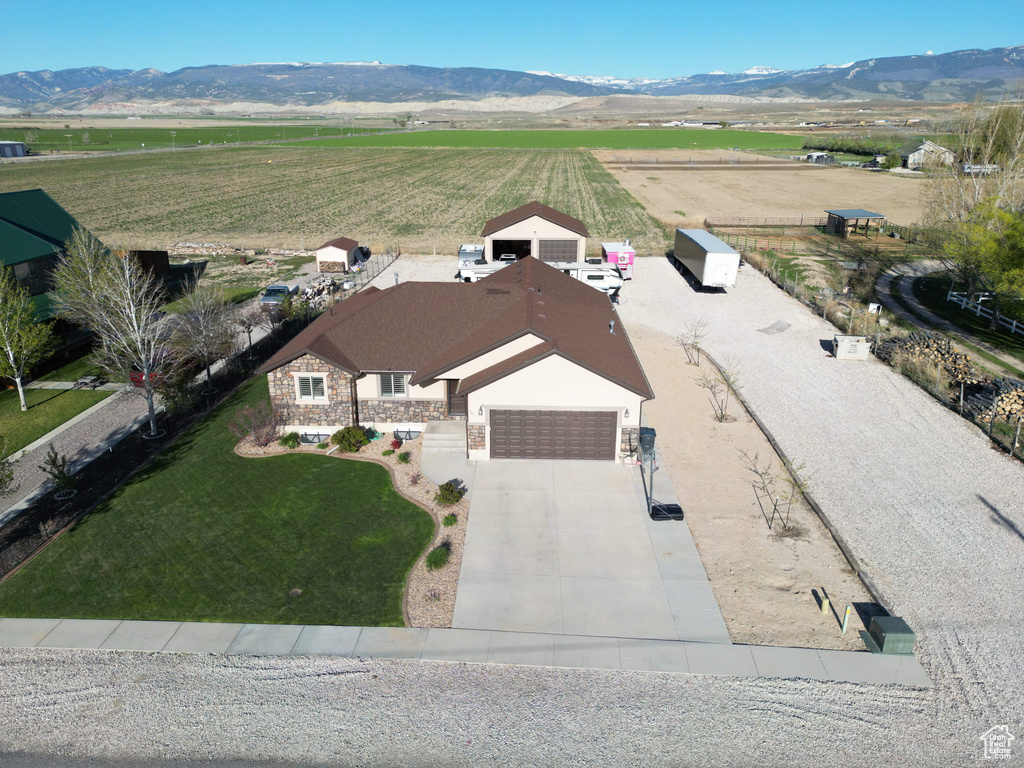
<point>69,135</point>
<point>173,133</point>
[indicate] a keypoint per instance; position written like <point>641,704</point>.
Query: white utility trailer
<point>603,277</point>
<point>714,263</point>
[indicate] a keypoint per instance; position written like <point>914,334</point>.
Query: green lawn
<point>47,409</point>
<point>931,292</point>
<point>662,138</point>
<point>202,534</point>
<point>82,138</point>
<point>74,370</point>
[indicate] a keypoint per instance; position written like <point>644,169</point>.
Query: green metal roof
<point>17,245</point>
<point>44,226</point>
<point>856,213</point>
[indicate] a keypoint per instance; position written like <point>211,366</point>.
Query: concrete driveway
<point>567,548</point>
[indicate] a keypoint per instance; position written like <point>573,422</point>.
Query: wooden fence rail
<point>960,299</point>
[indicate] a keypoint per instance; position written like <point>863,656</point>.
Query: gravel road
<point>934,513</point>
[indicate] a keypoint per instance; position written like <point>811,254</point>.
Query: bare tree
<point>692,339</point>
<point>250,317</point>
<point>204,329</point>
<point>23,341</point>
<point>119,301</point>
<point>719,383</point>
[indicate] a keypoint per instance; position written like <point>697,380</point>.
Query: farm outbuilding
<point>338,255</point>
<point>13,149</point>
<point>535,230</point>
<point>850,221</point>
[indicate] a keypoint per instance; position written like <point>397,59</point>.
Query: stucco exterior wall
<point>332,413</point>
<point>535,229</point>
<point>332,255</point>
<point>368,387</point>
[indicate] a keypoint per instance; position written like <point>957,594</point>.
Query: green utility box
<point>892,635</point>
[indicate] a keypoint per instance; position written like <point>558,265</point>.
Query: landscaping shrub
<point>388,452</point>
<point>259,422</point>
<point>55,466</point>
<point>438,557</point>
<point>450,520</point>
<point>291,440</point>
<point>322,446</point>
<point>395,445</point>
<point>350,439</point>
<point>414,478</point>
<point>403,457</point>
<point>450,493</point>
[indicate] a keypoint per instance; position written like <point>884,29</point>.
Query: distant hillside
<point>957,76</point>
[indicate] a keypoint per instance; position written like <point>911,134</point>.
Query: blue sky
<point>640,39</point>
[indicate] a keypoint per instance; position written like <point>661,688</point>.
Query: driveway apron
<point>566,547</point>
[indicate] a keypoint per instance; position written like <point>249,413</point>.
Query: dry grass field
<point>264,197</point>
<point>685,195</point>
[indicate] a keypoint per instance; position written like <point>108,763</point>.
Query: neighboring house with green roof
<point>33,231</point>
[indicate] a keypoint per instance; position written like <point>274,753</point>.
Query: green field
<point>267,197</point>
<point>84,139</point>
<point>661,138</point>
<point>202,534</point>
<point>47,410</point>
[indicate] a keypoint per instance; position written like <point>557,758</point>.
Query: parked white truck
<point>599,275</point>
<point>711,261</point>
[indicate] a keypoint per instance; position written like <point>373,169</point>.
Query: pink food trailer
<point>621,255</point>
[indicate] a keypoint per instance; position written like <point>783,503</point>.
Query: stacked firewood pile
<point>319,291</point>
<point>931,350</point>
<point>1005,395</point>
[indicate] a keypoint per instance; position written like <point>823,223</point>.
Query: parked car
<point>275,295</point>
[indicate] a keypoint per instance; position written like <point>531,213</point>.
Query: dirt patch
<point>768,582</point>
<point>714,186</point>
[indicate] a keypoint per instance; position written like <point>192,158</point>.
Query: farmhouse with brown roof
<point>533,362</point>
<point>536,230</point>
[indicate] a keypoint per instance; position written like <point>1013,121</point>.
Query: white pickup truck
<point>602,276</point>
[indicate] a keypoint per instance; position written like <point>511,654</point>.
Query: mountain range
<point>304,87</point>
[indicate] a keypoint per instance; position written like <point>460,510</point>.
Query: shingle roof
<point>344,243</point>
<point>533,209</point>
<point>42,226</point>
<point>429,328</point>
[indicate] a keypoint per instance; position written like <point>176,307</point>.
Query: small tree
<point>119,301</point>
<point>891,161</point>
<point>24,342</point>
<point>55,465</point>
<point>248,318</point>
<point>692,339</point>
<point>204,330</point>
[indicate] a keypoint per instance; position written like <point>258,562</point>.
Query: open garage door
<point>586,435</point>
<point>557,250</point>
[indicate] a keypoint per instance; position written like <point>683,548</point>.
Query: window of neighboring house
<point>22,270</point>
<point>312,387</point>
<point>392,385</point>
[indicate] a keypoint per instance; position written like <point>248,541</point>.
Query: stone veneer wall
<point>336,412</point>
<point>476,437</point>
<point>630,441</point>
<point>399,410</point>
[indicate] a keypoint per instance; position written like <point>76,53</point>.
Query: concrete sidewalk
<point>464,645</point>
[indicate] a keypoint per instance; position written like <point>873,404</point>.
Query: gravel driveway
<point>935,514</point>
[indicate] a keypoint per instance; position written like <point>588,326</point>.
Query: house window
<point>392,385</point>
<point>312,387</point>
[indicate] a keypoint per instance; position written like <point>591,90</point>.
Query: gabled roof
<point>856,213</point>
<point>915,146</point>
<point>34,225</point>
<point>344,243</point>
<point>533,209</point>
<point>427,329</point>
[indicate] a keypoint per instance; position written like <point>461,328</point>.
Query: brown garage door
<point>553,435</point>
<point>556,250</point>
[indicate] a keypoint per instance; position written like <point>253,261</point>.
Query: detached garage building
<point>535,230</point>
<point>526,363</point>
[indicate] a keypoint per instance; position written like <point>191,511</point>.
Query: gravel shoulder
<point>931,511</point>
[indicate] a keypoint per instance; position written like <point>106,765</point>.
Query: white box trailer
<point>711,261</point>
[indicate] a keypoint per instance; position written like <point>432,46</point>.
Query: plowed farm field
<point>418,199</point>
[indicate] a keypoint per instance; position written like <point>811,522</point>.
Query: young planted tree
<point>692,339</point>
<point>120,302</point>
<point>205,330</point>
<point>248,318</point>
<point>23,341</point>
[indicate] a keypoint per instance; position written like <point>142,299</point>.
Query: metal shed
<point>847,221</point>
